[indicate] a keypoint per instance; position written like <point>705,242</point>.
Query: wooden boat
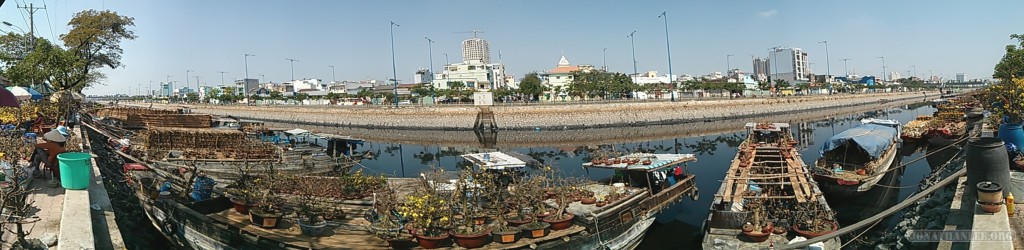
<point>853,161</point>
<point>173,141</point>
<point>916,129</point>
<point>766,187</point>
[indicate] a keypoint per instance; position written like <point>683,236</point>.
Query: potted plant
<point>561,219</point>
<point>267,211</point>
<point>428,213</point>
<point>382,223</point>
<point>757,229</point>
<point>241,193</point>
<point>535,229</point>
<point>471,233</point>
<point>310,206</point>
<point>813,223</point>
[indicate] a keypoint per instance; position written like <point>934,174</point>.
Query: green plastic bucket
<point>75,170</point>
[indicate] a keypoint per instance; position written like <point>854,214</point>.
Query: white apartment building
<point>475,74</point>
<point>561,74</point>
<point>476,49</point>
<point>650,77</point>
<point>788,64</point>
<point>308,84</point>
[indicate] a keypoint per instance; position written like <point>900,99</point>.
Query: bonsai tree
<point>13,192</point>
<point>468,204</point>
<point>384,224</point>
<point>310,203</point>
<point>428,211</point>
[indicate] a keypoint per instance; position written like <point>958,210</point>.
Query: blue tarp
<point>872,138</point>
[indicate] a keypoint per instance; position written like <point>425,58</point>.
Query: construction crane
<point>474,32</point>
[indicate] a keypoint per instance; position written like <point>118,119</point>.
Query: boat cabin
<point>654,171</point>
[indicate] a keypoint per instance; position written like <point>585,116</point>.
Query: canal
<point>679,226</point>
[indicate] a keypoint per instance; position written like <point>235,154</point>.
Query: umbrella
<point>7,99</point>
<point>24,93</point>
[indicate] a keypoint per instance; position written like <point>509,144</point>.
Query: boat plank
<point>341,238</point>
<point>802,177</point>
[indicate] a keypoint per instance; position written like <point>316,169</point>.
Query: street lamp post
<point>222,77</point>
<point>245,91</point>
<point>604,58</point>
<point>728,65</point>
<point>845,66</point>
<point>828,67</point>
<point>446,59</point>
<point>668,49</point>
<point>292,63</point>
<point>883,66</point>
<point>430,55</point>
<point>915,70</point>
<point>632,46</point>
<point>186,76</point>
<point>394,69</point>
<point>333,77</point>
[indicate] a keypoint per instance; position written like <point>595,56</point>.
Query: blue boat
<point>855,160</point>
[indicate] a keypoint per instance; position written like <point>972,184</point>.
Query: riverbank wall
<point>548,117</point>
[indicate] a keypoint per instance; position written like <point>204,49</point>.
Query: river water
<point>679,226</point>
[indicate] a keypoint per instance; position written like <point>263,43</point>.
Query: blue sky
<point>947,37</point>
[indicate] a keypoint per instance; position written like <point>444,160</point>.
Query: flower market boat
<point>853,161</point>
<point>767,197</point>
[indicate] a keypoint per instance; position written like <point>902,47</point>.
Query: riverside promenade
<point>550,116</point>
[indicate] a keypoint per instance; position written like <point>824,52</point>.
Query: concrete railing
<point>99,231</point>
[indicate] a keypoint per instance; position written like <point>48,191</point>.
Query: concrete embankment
<point>562,117</point>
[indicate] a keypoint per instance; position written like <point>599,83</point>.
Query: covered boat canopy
<point>874,139</point>
<point>297,131</point>
<point>499,160</point>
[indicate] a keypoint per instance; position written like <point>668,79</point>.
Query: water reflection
<point>714,152</point>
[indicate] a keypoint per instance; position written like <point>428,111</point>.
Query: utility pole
<point>31,22</point>
<point>333,78</point>
<point>186,77</point>
<point>604,58</point>
<point>828,67</point>
<point>728,66</point>
<point>883,67</point>
<point>915,70</point>
<point>394,69</point>
<point>245,91</point>
<point>430,54</point>
<point>292,62</point>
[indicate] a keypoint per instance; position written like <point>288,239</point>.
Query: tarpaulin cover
<point>872,138</point>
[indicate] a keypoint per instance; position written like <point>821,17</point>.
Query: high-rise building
<point>893,76</point>
<point>789,64</point>
<point>761,68</point>
<point>960,77</point>
<point>476,49</point>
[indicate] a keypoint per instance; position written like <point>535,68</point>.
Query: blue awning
<point>872,138</point>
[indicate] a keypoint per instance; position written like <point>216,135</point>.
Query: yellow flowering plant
<point>428,213</point>
<point>1005,101</point>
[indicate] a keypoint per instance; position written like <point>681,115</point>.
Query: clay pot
<point>240,206</point>
<point>601,203</point>
<point>535,231</point>
<point>779,230</point>
<point>595,161</point>
<point>516,223</point>
<point>647,162</point>
<point>748,227</point>
<point>757,236</point>
<point>471,240</point>
<point>862,172</point>
<point>616,161</point>
<point>507,237</point>
<point>559,224</point>
<point>427,242</point>
<point>808,234</point>
<point>265,219</point>
<point>588,200</point>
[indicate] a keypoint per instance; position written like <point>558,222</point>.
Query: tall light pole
<point>333,78</point>
<point>292,63</point>
<point>728,65</point>
<point>222,77</point>
<point>186,76</point>
<point>430,54</point>
<point>632,46</point>
<point>150,89</point>
<point>883,66</point>
<point>604,58</point>
<point>245,91</point>
<point>394,69</point>
<point>775,64</point>
<point>915,70</point>
<point>668,49</point>
<point>845,66</point>
<point>263,78</point>
<point>828,67</point>
<point>446,59</point>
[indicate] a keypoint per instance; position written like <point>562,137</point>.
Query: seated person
<point>47,152</point>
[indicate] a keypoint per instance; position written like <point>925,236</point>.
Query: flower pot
<point>559,224</point>
<point>240,206</point>
<point>588,200</point>
<point>861,171</point>
<point>549,194</point>
<point>748,227</point>
<point>480,220</point>
<point>601,203</point>
<point>617,161</point>
<point>810,234</point>
<point>595,161</point>
<point>431,242</point>
<point>516,223</point>
<point>535,231</point>
<point>471,240</point>
<point>315,229</point>
<point>264,219</point>
<point>990,196</point>
<point>647,162</point>
<point>779,230</point>
<point>506,237</point>
<point>544,214</point>
<point>757,236</point>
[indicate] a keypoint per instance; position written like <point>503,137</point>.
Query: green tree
<point>503,92</point>
<point>1012,63</point>
<point>781,84</point>
<point>276,95</point>
<point>95,40</point>
<point>192,97</point>
<point>532,86</point>
<point>421,90</point>
<point>299,97</point>
<point>364,93</point>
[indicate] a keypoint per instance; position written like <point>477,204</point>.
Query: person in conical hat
<point>47,152</point>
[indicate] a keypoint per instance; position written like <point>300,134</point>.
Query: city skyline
<point>353,36</point>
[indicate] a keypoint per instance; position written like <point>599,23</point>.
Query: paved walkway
<point>47,204</point>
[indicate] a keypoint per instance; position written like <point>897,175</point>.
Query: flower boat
<point>853,161</point>
<point>766,192</point>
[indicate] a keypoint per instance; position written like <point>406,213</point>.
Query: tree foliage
<point>1012,64</point>
<point>532,86</point>
<point>95,40</point>
<point>599,83</point>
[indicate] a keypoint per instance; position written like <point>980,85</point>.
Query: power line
<point>31,9</point>
<point>50,24</point>
<point>23,17</point>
